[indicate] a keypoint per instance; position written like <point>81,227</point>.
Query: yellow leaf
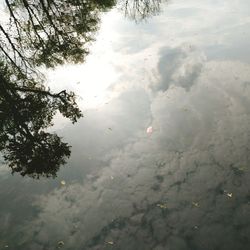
<point>163,206</point>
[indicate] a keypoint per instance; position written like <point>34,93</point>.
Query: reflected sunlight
<point>91,80</point>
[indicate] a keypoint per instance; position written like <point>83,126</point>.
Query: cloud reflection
<point>200,138</point>
<point>197,154</point>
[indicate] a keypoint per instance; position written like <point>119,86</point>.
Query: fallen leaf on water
<point>196,204</point>
<point>60,243</point>
<point>110,242</point>
<point>150,130</point>
<point>163,206</point>
<point>63,183</point>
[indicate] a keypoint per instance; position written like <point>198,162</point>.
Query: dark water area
<point>161,158</point>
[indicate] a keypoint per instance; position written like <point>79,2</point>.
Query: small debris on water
<point>162,206</point>
<point>150,130</point>
<point>241,168</point>
<point>60,243</point>
<point>110,242</point>
<point>63,183</point>
<point>195,204</point>
<point>230,195</point>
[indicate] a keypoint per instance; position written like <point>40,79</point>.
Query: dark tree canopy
<point>25,112</point>
<point>50,32</point>
<point>40,33</point>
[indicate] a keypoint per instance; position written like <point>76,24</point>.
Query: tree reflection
<point>25,113</point>
<point>45,33</point>
<point>50,32</point>
<point>139,10</point>
<point>40,33</point>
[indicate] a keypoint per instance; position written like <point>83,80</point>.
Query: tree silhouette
<point>40,33</point>
<point>49,32</point>
<point>139,10</point>
<point>24,113</point>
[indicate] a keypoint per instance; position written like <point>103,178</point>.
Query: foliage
<point>40,33</point>
<point>24,113</point>
<point>51,32</point>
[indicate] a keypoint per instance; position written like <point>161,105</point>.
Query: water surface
<point>185,72</point>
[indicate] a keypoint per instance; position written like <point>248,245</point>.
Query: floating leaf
<point>150,130</point>
<point>63,183</point>
<point>60,243</point>
<point>162,206</point>
<point>110,242</point>
<point>195,204</point>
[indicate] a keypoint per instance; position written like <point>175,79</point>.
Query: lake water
<point>161,158</point>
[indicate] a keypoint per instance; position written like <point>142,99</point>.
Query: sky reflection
<point>185,73</point>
